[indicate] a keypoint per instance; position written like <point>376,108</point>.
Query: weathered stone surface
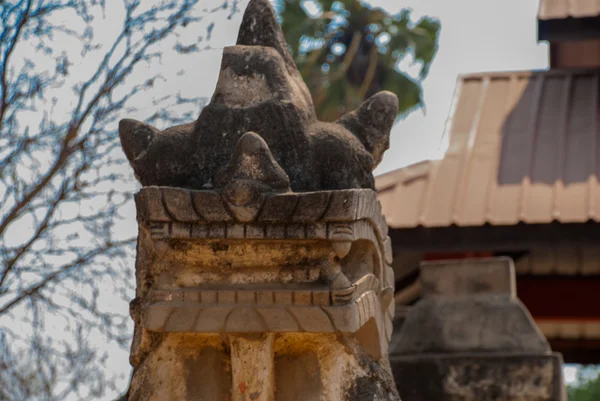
<point>154,203</point>
<point>449,279</point>
<point>523,377</point>
<point>482,324</point>
<point>260,90</point>
<point>470,339</point>
<point>252,366</point>
<point>262,253</point>
<point>250,172</point>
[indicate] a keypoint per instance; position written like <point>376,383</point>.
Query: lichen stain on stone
<point>243,91</point>
<point>243,262</point>
<point>298,377</point>
<point>208,375</point>
<point>338,367</point>
<point>187,367</point>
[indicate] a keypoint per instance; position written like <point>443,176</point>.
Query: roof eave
<point>569,28</point>
<point>495,238</point>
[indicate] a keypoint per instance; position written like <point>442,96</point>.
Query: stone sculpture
<point>263,266</point>
<point>470,339</point>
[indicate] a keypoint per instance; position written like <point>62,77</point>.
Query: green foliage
<point>588,387</point>
<point>347,51</point>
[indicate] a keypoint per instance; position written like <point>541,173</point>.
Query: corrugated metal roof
<point>559,9</point>
<point>523,147</point>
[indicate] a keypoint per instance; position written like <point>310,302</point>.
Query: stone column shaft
<point>252,368</point>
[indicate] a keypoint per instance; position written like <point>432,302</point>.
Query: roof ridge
<point>528,73</point>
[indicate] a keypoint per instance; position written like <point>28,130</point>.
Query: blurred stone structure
<point>263,260</point>
<point>470,339</point>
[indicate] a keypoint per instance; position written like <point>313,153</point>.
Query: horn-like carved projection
<point>251,172</point>
<point>136,137</point>
<point>372,122</point>
<point>263,268</point>
<point>252,161</point>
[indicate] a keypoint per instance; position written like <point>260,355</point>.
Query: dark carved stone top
<point>260,90</point>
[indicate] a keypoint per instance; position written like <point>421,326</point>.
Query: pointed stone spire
<point>260,28</point>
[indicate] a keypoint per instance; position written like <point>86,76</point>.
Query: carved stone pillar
<point>470,339</point>
<point>263,261</point>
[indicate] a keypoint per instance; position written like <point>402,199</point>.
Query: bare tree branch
<point>22,19</point>
<point>65,184</point>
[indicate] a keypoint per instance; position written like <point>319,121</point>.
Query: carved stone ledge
<point>308,296</point>
<point>175,230</point>
<point>285,314</point>
<point>178,205</point>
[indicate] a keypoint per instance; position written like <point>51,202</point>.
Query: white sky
<point>570,373</point>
